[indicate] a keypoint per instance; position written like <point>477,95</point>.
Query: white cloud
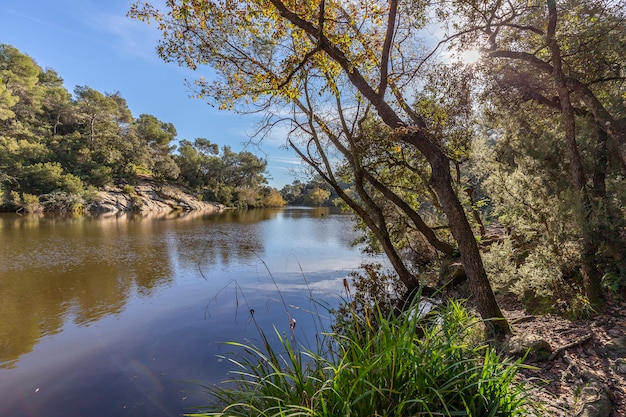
<point>122,33</point>
<point>286,160</point>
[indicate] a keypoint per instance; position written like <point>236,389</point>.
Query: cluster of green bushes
<point>311,193</point>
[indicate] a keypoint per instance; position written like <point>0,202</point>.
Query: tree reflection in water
<point>107,312</point>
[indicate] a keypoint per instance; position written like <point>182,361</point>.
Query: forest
<point>58,148</point>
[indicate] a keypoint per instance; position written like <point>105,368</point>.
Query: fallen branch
<point>576,342</point>
<point>522,319</point>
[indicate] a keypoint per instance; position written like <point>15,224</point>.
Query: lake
<point>115,315</point>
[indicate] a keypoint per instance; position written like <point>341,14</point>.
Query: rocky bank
<point>148,196</point>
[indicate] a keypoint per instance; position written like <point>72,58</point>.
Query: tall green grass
<point>377,365</point>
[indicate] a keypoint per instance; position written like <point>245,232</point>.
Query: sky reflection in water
<point>108,316</point>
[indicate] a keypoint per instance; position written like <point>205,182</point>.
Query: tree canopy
<point>57,147</point>
<point>432,148</point>
<point>335,65</point>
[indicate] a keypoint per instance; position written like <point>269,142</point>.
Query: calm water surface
<point>112,316</point>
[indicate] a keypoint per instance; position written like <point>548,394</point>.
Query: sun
<point>470,56</point>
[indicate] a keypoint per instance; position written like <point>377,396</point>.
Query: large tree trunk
<point>616,128</point>
<point>463,234</point>
<point>419,137</point>
<point>589,246</point>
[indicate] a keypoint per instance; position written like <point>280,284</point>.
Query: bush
<point>27,202</point>
<point>72,184</point>
<point>274,199</point>
<point>221,193</point>
<point>42,178</point>
<point>500,266</point>
<point>136,203</point>
<point>101,175</point>
<point>62,201</point>
<point>407,366</point>
<point>128,189</point>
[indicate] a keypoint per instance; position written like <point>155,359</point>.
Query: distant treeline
<point>57,148</point>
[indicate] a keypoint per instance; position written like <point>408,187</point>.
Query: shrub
<point>500,266</point>
<point>541,275</point>
<point>62,201</point>
<point>128,189</point>
<point>72,184</point>
<point>30,203</point>
<point>274,199</point>
<point>101,175</point>
<point>136,203</point>
<point>42,178</point>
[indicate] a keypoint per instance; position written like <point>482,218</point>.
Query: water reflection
<point>106,314</point>
<point>58,268</point>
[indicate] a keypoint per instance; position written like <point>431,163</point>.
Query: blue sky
<point>93,43</point>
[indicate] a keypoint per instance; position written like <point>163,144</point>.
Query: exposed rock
<point>620,366</point>
<point>594,401</point>
<point>149,197</point>
<point>617,347</point>
<point>535,346</point>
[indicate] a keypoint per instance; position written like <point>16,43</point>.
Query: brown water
<point>114,315</point>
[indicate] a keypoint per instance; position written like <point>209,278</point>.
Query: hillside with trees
<point>57,148</point>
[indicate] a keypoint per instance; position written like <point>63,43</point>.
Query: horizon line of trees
<point>57,147</point>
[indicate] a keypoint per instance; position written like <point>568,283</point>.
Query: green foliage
<point>500,265</point>
<point>612,281</point>
<point>315,192</point>
<point>63,202</point>
<point>223,194</point>
<point>128,189</point>
<point>580,308</point>
<point>405,366</point>
<point>316,197</point>
<point>136,203</point>
<point>7,101</point>
<point>520,168</point>
<point>42,177</point>
<point>274,199</point>
<point>247,197</point>
<point>72,184</point>
<point>25,202</point>
<point>552,114</point>
<point>541,275</point>
<point>101,175</point>
<point>30,203</point>
<point>229,178</point>
<point>58,144</point>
